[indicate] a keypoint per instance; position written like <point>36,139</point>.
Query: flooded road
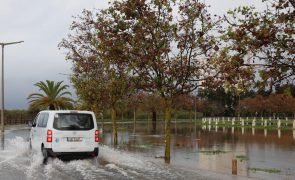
<point>18,162</point>
<point>197,153</point>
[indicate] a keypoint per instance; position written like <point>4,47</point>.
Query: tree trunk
<point>191,119</point>
<point>51,107</point>
<point>175,125</point>
<point>102,121</point>
<point>154,120</point>
<point>114,121</point>
<point>168,105</point>
<point>102,127</point>
<point>134,121</point>
<point>148,122</point>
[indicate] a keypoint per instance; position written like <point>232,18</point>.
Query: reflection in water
<point>2,140</point>
<point>264,148</point>
<point>148,122</point>
<point>279,123</point>
<point>204,127</point>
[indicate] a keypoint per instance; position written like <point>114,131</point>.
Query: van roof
<point>66,111</point>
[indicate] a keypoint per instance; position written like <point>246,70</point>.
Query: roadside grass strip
<point>268,170</point>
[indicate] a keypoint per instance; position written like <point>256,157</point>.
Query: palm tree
<point>53,96</point>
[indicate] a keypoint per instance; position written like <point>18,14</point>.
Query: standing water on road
<point>18,162</point>
<point>197,153</point>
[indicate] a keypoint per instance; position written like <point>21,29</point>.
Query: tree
<point>254,105</point>
<point>185,102</point>
<point>263,41</point>
<point>219,97</point>
<point>281,104</point>
<point>152,104</point>
<point>53,96</point>
<point>146,44</point>
<point>286,88</point>
<point>168,54</point>
<point>100,74</point>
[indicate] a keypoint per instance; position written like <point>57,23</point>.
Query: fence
<point>16,121</point>
<point>249,122</point>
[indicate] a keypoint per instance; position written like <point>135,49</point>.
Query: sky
<point>42,24</point>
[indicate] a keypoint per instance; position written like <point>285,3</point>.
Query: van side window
<point>40,120</point>
<point>36,118</point>
<point>45,119</point>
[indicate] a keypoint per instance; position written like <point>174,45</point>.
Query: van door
<point>73,132</point>
<point>34,135</point>
<point>38,131</point>
<point>41,129</point>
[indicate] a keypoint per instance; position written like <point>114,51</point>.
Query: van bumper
<point>73,154</point>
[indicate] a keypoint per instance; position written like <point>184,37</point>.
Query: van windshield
<point>73,121</point>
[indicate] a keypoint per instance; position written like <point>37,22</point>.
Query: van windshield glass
<point>73,121</point>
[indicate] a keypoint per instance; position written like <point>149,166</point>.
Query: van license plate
<point>74,139</point>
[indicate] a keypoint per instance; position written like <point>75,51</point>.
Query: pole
<point>2,98</point>
<point>2,93</point>
<point>234,167</point>
<point>239,107</point>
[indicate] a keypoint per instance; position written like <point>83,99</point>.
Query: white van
<point>65,132</point>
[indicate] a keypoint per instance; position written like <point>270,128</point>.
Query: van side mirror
<point>31,124</point>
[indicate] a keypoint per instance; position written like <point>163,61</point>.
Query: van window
<point>36,118</point>
<point>40,120</point>
<point>45,119</point>
<point>73,121</point>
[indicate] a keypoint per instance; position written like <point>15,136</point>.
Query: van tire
<point>44,154</point>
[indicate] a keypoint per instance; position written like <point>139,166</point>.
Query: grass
<point>242,157</point>
<point>143,146</point>
<point>268,170</point>
<point>213,152</point>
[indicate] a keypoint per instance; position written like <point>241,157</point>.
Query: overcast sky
<point>42,24</point>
